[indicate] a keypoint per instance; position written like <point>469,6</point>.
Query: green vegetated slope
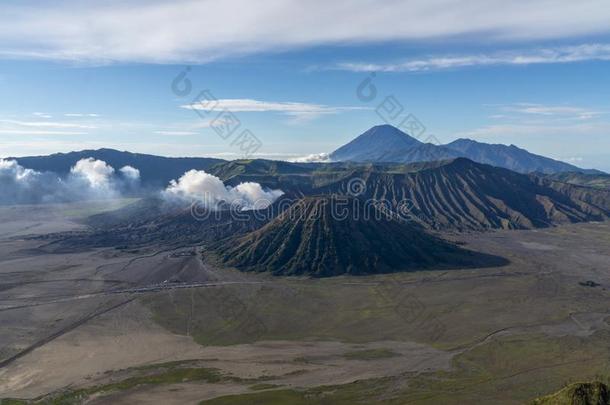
<point>600,181</point>
<point>588,393</point>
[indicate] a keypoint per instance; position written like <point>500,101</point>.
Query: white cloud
<point>553,139</point>
<point>42,126</point>
<point>506,131</point>
<point>20,173</point>
<point>42,115</point>
<point>563,111</point>
<point>47,124</point>
<point>548,110</point>
<point>88,179</point>
<point>573,160</point>
<point>131,173</point>
<point>251,195</point>
<point>313,158</point>
<point>39,132</point>
<point>294,109</point>
<point>97,172</point>
<point>80,115</point>
<point>189,30</point>
<point>209,190</point>
<point>21,185</point>
<point>176,133</point>
<point>545,114</point>
<point>564,54</point>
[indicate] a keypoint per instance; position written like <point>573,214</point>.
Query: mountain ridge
<point>154,170</point>
<point>454,195</point>
<point>373,146</point>
<point>510,157</point>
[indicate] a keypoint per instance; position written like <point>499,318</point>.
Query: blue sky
<point>81,75</point>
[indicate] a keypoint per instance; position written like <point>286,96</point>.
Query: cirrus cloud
<point>200,31</point>
<point>563,54</point>
<point>293,109</point>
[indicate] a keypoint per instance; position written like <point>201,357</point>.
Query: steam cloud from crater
<point>96,173</point>
<point>92,179</point>
<point>197,185</point>
<point>88,179</point>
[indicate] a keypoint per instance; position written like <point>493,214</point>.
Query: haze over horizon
<point>100,76</point>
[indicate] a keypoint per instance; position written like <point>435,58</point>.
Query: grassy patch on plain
<point>371,354</point>
<point>362,392</point>
<point>261,387</point>
<point>514,370</point>
<point>156,374</point>
<point>509,370</point>
<point>371,309</point>
<point>11,401</point>
<point>170,376</point>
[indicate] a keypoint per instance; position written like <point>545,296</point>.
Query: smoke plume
<point>197,185</point>
<point>88,179</point>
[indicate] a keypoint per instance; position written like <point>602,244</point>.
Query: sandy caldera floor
<point>65,325</point>
<point>127,337</point>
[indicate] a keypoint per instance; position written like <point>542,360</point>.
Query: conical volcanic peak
<point>374,144</point>
<point>334,235</point>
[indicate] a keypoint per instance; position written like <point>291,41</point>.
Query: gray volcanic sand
<point>72,319</point>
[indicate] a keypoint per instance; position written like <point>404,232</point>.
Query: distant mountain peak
<point>387,127</point>
<point>388,144</point>
<point>387,133</point>
<point>374,144</point>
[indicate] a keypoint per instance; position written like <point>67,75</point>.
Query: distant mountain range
<point>385,143</point>
<point>453,195</point>
<point>296,236</point>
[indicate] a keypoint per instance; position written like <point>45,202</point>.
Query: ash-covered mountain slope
<point>600,180</point>
<point>461,194</point>
<point>586,197</point>
<point>457,194</point>
<point>324,236</point>
<point>454,195</point>
<point>425,152</point>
